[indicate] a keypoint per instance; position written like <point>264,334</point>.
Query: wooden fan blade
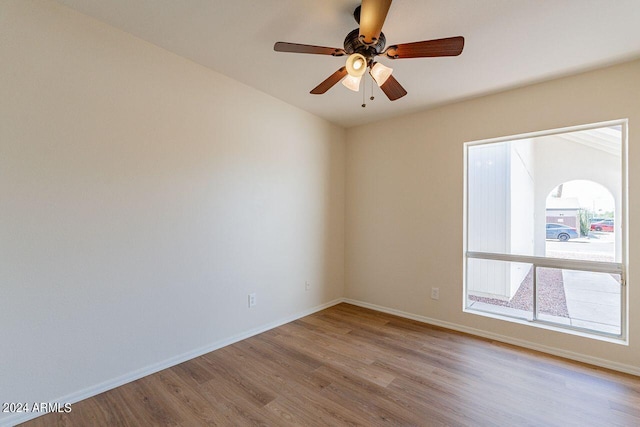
<point>307,48</point>
<point>451,46</point>
<point>329,82</point>
<point>372,16</point>
<point>393,89</point>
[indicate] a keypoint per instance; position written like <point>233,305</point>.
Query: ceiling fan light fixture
<point>380,73</point>
<point>352,83</point>
<point>356,65</point>
<point>366,42</point>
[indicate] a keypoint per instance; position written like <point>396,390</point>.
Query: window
<point>545,229</point>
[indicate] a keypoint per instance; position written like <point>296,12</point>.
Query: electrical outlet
<point>307,286</point>
<point>252,300</point>
<point>435,293</point>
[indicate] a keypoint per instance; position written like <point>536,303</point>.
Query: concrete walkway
<point>593,300</point>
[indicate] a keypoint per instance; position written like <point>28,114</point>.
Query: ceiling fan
<point>365,43</point>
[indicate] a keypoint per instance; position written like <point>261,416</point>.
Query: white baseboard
<point>603,363</point>
<point>74,397</point>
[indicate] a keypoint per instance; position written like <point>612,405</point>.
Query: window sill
<point>542,324</point>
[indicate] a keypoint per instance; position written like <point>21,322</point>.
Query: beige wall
<point>142,198</point>
<point>405,202</point>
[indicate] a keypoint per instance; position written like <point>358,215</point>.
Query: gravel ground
<point>551,298</point>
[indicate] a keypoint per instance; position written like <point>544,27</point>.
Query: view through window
<point>545,237</point>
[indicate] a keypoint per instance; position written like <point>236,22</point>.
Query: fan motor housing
<point>353,44</point>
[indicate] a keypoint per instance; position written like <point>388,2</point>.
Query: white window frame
<point>559,263</point>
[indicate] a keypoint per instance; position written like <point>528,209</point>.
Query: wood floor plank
<point>229,376</point>
<point>189,403</point>
<point>362,367</point>
<point>350,366</point>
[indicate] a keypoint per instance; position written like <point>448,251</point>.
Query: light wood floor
<point>351,366</point>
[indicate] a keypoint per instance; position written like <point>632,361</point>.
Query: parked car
<point>561,232</point>
<point>605,225</point>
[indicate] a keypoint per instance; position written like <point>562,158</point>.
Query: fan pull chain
<point>372,97</point>
<point>364,89</point>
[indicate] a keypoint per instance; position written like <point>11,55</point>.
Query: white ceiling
<point>508,43</point>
